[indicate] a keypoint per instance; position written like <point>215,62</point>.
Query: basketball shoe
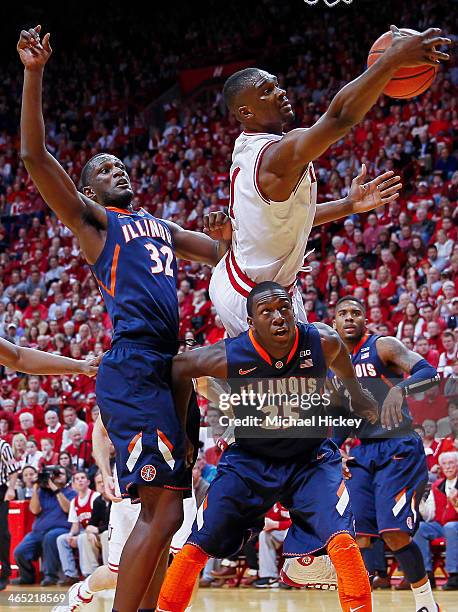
<point>311,572</point>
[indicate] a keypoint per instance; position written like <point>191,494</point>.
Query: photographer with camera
<point>50,502</point>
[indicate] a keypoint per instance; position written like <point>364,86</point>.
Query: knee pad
<point>351,571</point>
<point>411,561</point>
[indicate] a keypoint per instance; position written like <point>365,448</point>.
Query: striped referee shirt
<point>8,463</point>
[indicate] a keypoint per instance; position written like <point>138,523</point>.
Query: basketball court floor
<point>272,600</point>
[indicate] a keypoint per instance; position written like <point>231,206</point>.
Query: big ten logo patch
<point>148,473</point>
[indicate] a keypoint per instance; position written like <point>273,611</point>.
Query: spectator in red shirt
<point>388,260</point>
<point>387,285</point>
<point>440,512</point>
<point>53,428</point>
<point>79,450</point>
<point>27,427</point>
<point>430,444</point>
<point>30,400</point>
<point>450,355</point>
<point>216,332</point>
<point>6,427</point>
<point>433,333</point>
<point>371,233</point>
<point>424,349</point>
<point>433,406</point>
<point>34,306</point>
<point>412,316</point>
<point>49,455</point>
<point>361,280</point>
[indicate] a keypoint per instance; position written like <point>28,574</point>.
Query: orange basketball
<point>407,82</point>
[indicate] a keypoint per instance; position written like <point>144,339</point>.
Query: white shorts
<point>124,515</point>
<point>230,304</point>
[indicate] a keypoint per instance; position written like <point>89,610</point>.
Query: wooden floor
<point>275,600</point>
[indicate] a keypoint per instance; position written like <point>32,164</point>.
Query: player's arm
<point>32,361</point>
<point>101,446</point>
<point>198,246</point>
<point>83,216</point>
<point>205,361</point>
<point>284,162</point>
<point>338,360</point>
<point>422,376</point>
<point>362,197</point>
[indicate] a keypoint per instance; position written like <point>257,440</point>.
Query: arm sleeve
<point>422,377</point>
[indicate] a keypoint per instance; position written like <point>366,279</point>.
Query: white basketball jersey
<point>269,238</point>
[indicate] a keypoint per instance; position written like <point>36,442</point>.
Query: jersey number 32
<point>160,264</point>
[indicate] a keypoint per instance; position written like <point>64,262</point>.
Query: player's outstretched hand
<point>34,53</point>
<point>90,366</point>
<point>218,226</point>
<point>365,405</point>
<point>409,50</point>
<point>367,196</point>
<point>392,409</point>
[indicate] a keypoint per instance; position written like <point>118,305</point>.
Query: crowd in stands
<point>401,260</point>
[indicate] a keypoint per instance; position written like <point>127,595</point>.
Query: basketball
<point>407,82</point>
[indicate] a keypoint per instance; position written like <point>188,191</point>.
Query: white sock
<point>424,600</point>
<point>85,590</point>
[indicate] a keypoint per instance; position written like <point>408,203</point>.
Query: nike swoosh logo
<point>123,217</point>
<point>243,372</point>
<point>395,458</point>
<point>358,608</point>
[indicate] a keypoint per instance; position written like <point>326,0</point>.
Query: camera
<point>47,472</point>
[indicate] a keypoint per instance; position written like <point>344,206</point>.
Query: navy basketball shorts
<point>137,409</point>
<point>388,479</point>
<point>247,486</point>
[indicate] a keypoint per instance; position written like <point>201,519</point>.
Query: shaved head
<point>238,83</point>
<point>88,168</point>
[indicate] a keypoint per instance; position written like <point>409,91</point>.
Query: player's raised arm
<point>205,361</point>
<point>208,247</point>
<point>32,361</point>
<point>84,217</point>
<point>422,376</point>
<point>338,360</point>
<point>362,197</point>
<point>283,162</point>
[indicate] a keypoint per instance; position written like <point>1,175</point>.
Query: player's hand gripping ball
<point>411,81</point>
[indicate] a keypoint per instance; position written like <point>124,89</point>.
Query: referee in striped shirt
<point>8,476</point>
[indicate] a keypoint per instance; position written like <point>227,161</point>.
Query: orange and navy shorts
<point>136,405</point>
<point>247,485</point>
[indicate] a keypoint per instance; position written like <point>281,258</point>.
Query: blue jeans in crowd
<point>430,531</point>
<point>34,545</point>
<point>67,556</point>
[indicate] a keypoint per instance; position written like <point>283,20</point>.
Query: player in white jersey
<point>273,194</point>
<point>123,516</point>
